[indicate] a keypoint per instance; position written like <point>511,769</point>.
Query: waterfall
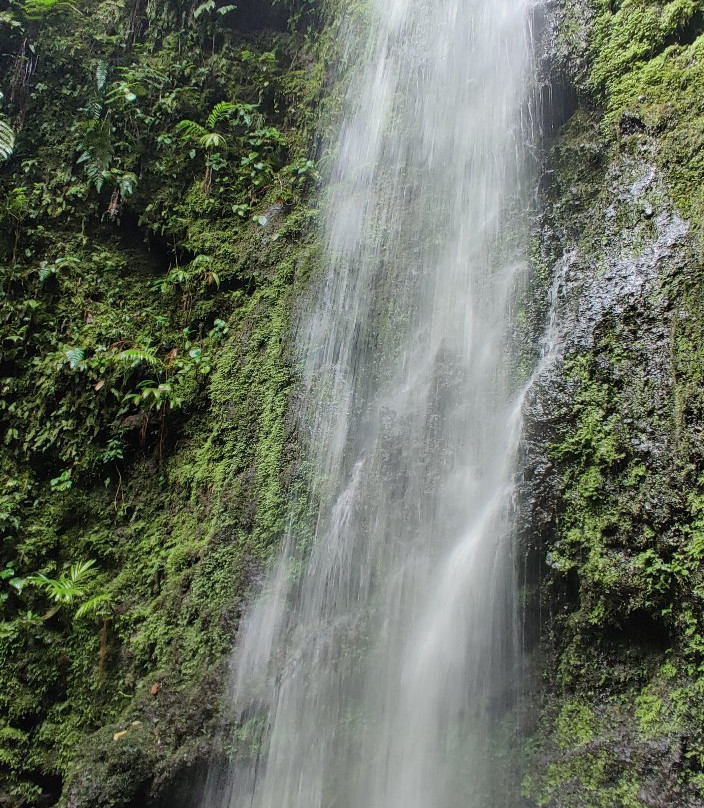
<point>379,666</point>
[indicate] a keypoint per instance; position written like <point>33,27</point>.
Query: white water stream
<point>379,668</point>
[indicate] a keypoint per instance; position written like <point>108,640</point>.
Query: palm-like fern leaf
<point>97,606</point>
<point>191,130</point>
<point>7,140</point>
<point>67,587</point>
<point>208,6</point>
<point>101,74</point>
<point>212,140</point>
<point>221,110</point>
<point>136,356</point>
<point>36,9</point>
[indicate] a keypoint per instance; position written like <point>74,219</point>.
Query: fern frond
<point>101,74</point>
<point>221,110</point>
<point>36,9</point>
<point>96,606</point>
<point>97,175</point>
<point>208,6</point>
<point>7,140</point>
<point>212,140</point>
<point>138,355</point>
<point>60,590</point>
<point>191,130</point>
<point>127,183</point>
<point>74,356</point>
<point>95,110</point>
<point>80,570</point>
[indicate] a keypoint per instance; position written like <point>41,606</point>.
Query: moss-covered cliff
<point>156,224</point>
<point>158,228</point>
<point>614,455</point>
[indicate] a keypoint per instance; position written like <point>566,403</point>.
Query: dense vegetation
<point>156,167</point>
<point>157,228</point>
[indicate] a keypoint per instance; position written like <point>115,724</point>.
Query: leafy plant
<point>69,587</point>
<point>63,482</point>
<point>209,6</point>
<point>99,605</point>
<point>208,138</point>
<point>7,138</point>
<point>36,9</point>
<point>74,357</point>
<point>136,356</point>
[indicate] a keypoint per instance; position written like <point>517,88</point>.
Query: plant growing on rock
<point>209,139</point>
<point>7,137</point>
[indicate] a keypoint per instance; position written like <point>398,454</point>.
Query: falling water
<point>378,668</point>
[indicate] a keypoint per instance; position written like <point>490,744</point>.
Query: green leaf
<point>96,607</point>
<point>138,355</point>
<point>74,357</point>
<point>63,482</point>
<point>36,9</point>
<point>190,129</point>
<point>221,110</point>
<point>81,570</point>
<point>7,140</point>
<point>208,6</point>
<point>101,74</point>
<point>212,140</point>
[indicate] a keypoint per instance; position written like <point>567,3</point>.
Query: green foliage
<point>7,138</point>
<point>648,62</point>
<point>624,582</point>
<point>137,356</point>
<point>144,385</point>
<point>38,9</point>
<point>68,587</point>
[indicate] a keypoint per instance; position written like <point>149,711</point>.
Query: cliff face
<point>612,483</point>
<point>156,233</point>
<point>156,228</point>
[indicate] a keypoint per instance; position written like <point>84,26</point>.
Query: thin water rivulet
<point>379,666</point>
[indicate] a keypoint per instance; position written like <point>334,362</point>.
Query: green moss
<point>647,62</point>
<point>174,472</point>
<point>624,576</point>
<point>575,725</point>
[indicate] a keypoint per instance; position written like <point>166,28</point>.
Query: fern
<point>69,586</point>
<point>101,74</point>
<point>126,183</point>
<point>221,110</point>
<point>191,130</point>
<point>97,606</point>
<point>96,173</point>
<point>74,356</point>
<point>81,570</point>
<point>208,6</point>
<point>36,9</point>
<point>95,150</point>
<point>7,140</point>
<point>95,110</point>
<point>136,356</point>
<point>212,140</point>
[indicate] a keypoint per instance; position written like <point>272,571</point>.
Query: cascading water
<point>379,666</point>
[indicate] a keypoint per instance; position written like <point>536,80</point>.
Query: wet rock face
<point>611,475</point>
<point>611,484</point>
<point>615,293</point>
<point>611,332</point>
